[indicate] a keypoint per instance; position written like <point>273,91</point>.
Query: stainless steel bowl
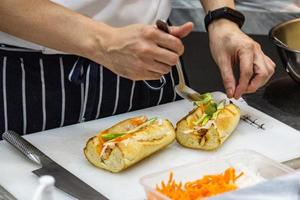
<point>286,37</point>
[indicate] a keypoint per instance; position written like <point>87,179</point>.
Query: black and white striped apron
<point>36,93</point>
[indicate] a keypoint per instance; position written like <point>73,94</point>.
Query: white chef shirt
<point>112,12</point>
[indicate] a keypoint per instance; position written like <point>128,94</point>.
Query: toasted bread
<point>209,139</point>
<point>120,153</point>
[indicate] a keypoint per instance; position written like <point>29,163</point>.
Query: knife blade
<point>64,180</point>
<point>5,195</point>
<point>293,163</point>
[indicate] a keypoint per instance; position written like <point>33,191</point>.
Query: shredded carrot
<point>104,132</point>
<point>202,107</point>
<point>100,144</point>
<point>124,137</point>
<point>209,185</point>
<point>137,121</point>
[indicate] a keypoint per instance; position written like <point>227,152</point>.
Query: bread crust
<point>225,123</point>
<point>123,154</point>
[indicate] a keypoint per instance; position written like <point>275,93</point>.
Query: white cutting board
<point>65,145</point>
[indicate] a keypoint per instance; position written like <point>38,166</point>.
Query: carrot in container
<point>207,186</point>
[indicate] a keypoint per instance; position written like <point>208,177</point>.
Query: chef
<point>64,62</point>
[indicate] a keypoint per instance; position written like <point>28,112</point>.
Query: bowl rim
<point>271,34</point>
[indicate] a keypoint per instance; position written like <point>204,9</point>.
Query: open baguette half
<point>216,132</point>
<point>143,137</point>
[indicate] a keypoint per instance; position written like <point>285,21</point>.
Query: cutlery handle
<point>5,195</point>
<point>25,147</point>
<point>163,26</point>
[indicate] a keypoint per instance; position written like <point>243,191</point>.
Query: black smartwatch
<point>226,13</point>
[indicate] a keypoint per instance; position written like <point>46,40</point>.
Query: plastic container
<point>256,168</point>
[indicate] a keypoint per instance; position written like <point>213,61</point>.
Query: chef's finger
<point>158,67</point>
<point>245,57</point>
<point>228,77</point>
<point>262,72</point>
<point>150,75</point>
<point>271,64</point>
<point>163,39</point>
<point>170,42</point>
<point>142,74</point>
<point>164,56</point>
<point>257,81</point>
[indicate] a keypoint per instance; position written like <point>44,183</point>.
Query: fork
<point>181,89</point>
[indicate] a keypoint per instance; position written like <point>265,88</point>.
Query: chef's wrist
<point>94,43</point>
<point>222,25</point>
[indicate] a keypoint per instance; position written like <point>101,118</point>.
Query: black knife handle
<point>25,147</point>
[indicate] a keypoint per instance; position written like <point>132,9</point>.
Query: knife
<point>5,195</point>
<point>293,163</point>
<point>64,180</point>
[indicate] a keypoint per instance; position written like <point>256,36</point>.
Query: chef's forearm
<point>215,4</point>
<point>51,25</point>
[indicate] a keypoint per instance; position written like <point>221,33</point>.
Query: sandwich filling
<point>108,139</point>
<point>204,115</point>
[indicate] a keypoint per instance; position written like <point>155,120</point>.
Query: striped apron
<point>40,91</point>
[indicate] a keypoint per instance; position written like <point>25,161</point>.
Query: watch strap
<point>226,13</point>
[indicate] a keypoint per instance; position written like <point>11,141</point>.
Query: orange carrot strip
<point>207,186</point>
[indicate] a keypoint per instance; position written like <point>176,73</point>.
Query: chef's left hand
<point>229,45</point>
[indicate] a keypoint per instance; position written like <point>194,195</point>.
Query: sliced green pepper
<point>111,136</point>
<point>151,120</point>
<point>199,121</point>
<point>205,120</point>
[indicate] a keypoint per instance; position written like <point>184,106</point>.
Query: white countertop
<point>65,145</point>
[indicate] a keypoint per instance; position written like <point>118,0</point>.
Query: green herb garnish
<point>211,109</point>
<point>204,99</point>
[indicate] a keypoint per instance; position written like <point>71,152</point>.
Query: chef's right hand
<point>142,52</point>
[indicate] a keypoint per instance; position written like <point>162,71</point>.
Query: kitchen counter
<point>280,98</point>
<point>64,145</point>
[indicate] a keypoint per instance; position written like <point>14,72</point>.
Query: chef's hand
<point>229,45</point>
<point>142,52</point>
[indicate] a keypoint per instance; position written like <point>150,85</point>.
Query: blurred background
<point>261,15</point>
<point>280,98</point>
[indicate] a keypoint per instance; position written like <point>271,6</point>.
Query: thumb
<point>182,31</point>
